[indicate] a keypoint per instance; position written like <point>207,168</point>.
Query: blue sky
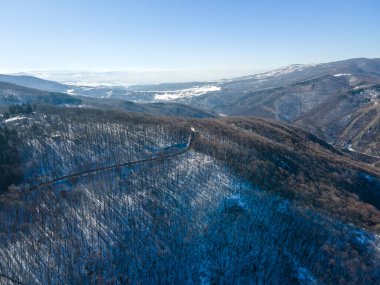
<point>183,35</point>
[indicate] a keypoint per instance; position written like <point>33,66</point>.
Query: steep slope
<point>350,120</point>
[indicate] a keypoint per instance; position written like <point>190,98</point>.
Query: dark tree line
<point>18,109</point>
<point>10,168</point>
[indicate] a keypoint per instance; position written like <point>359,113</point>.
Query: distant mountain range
<point>338,101</point>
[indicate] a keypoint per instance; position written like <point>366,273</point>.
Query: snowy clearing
<point>14,119</point>
<point>185,93</point>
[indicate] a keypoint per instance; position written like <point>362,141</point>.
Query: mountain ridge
<point>34,82</point>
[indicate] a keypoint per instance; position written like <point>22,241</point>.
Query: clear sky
<point>184,35</point>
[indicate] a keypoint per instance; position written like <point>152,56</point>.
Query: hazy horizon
<point>194,37</point>
<point>141,77</point>
<point>133,77</point>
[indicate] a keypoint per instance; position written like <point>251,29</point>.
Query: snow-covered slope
<point>252,201</point>
<point>55,146</point>
<point>184,93</point>
<point>188,219</point>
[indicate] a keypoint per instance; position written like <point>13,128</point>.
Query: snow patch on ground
<point>305,277</point>
<point>14,119</point>
<point>349,147</point>
<point>368,177</point>
<point>234,203</point>
<point>108,94</point>
<point>70,91</point>
<point>342,74</point>
<point>185,93</point>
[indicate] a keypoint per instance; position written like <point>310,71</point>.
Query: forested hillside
<point>295,164</point>
<point>64,141</point>
<point>249,200</point>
